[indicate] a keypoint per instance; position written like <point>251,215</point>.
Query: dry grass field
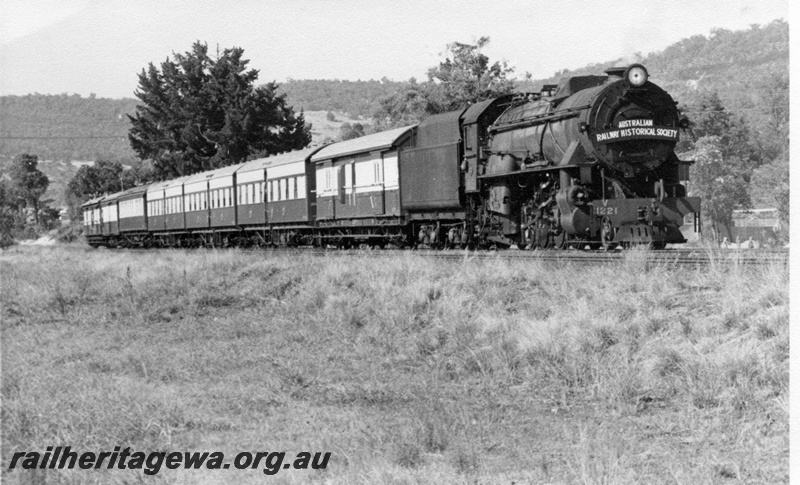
<point>409,370</point>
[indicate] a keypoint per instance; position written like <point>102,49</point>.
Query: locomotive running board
<point>548,168</point>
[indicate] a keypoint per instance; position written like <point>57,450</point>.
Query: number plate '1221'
<point>606,211</point>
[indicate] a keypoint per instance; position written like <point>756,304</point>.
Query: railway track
<point>669,257</point>
<point>696,257</point>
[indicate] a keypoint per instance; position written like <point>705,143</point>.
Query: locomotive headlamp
<point>636,75</point>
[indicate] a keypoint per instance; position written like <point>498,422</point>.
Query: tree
<point>720,187</point>
<point>769,186</point>
<point>773,100</point>
<point>348,131</point>
<point>710,118</point>
<point>28,183</point>
<point>409,105</point>
<point>468,77</point>
<point>200,113</point>
<point>104,177</point>
<point>10,217</point>
<point>465,76</point>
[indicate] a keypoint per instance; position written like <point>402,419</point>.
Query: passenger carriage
<point>222,198</point>
<point>251,209</point>
<point>110,217</point>
<point>195,201</point>
<point>175,218</point>
<point>209,205</point>
<point>275,199</point>
<point>132,206</point>
<point>92,222</point>
<point>156,209</point>
<point>358,189</point>
<point>289,191</point>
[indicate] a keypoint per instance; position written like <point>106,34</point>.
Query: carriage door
<point>378,189</point>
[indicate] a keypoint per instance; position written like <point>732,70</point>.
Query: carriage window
<point>301,187</point>
<point>292,185</point>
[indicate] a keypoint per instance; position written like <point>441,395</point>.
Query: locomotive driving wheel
<point>560,240</point>
<point>607,233</point>
<point>542,238</point>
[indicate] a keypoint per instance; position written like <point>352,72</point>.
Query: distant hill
<point>735,64</point>
<point>356,99</point>
<point>64,127</point>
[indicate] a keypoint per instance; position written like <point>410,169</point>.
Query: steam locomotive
<point>589,162</point>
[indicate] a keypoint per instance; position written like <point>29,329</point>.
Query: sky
<point>99,46</point>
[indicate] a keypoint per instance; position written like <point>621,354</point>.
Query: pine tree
<point>200,113</point>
